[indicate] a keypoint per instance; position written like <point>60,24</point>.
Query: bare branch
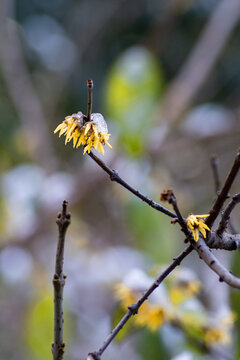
<point>133,309</point>
<point>215,170</point>
<point>216,208</point>
<point>207,256</point>
<point>226,241</point>
<point>115,177</point>
<point>226,214</point>
<point>58,346</point>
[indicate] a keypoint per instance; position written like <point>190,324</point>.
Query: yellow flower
<point>125,295</point>
<point>91,134</point>
<point>215,335</point>
<point>151,316</point>
<point>196,224</point>
<point>184,290</point>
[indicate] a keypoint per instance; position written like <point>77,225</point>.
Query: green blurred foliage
<point>134,84</point>
<point>39,327</point>
<point>150,346</point>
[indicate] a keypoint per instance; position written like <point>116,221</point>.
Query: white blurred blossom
<point>208,120</point>
<point>48,39</point>
<point>25,189</point>
<point>15,264</point>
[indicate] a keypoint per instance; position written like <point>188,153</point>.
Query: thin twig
<point>168,195</point>
<point>226,214</point>
<point>216,208</point>
<point>216,177</point>
<point>115,177</point>
<point>207,256</point>
<point>181,220</point>
<point>90,99</point>
<point>133,309</point>
<point>58,346</point>
<point>215,170</point>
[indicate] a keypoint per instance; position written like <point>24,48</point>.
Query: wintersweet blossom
<point>216,335</point>
<point>183,286</point>
<point>150,315</point>
<point>196,224</point>
<point>89,134</point>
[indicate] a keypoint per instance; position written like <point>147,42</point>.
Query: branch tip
<point>167,195</point>
<point>89,83</point>
<point>64,208</point>
<point>90,98</point>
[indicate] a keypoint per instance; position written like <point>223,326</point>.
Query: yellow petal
<point>91,137</point>
<point>95,131</point>
<point>100,148</point>
<point>73,127</point>
<point>59,127</point>
<point>108,144</point>
<point>197,235</point>
<point>203,231</point>
<point>63,130</point>
<point>204,225</point>
<point>95,145</point>
<point>194,222</point>
<point>87,128</point>
<point>82,140</point>
<point>191,220</point>
<point>70,132</point>
<point>66,139</point>
<point>202,216</point>
<point>190,225</point>
<point>75,138</point>
<point>87,149</point>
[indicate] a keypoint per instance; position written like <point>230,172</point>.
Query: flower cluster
<point>90,134</point>
<point>196,224</point>
<point>174,303</point>
<point>150,315</point>
<point>183,285</point>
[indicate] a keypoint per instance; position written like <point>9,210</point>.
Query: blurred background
<point>167,80</point>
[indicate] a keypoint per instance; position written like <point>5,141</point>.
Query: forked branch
<point>226,214</point>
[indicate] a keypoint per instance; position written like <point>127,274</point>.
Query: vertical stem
<point>58,346</point>
<point>214,165</point>
<point>90,98</point>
